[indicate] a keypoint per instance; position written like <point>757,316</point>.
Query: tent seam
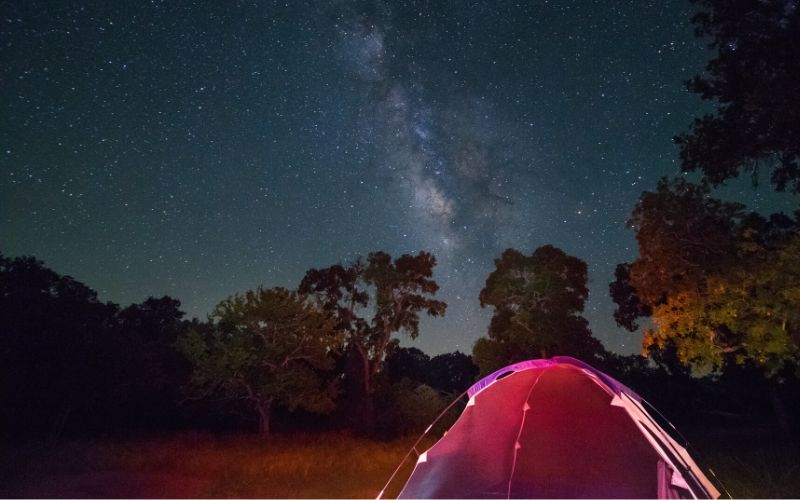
<point>519,434</point>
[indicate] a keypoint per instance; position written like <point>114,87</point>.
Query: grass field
<point>309,466</point>
<point>327,465</point>
<point>750,463</point>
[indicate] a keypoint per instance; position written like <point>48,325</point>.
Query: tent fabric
<point>555,428</point>
<point>612,383</point>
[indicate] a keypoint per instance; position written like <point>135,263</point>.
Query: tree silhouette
<point>753,81</point>
<point>629,305</point>
<point>52,329</point>
<point>452,372</point>
<point>537,301</point>
<point>266,348</point>
<point>146,374</point>
<point>400,290</point>
<point>409,363</point>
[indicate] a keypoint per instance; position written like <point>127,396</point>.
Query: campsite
<point>399,249</point>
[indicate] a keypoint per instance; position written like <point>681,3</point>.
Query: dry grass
<point>327,465</point>
<point>751,465</point>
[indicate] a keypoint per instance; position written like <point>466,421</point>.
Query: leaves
<point>266,345</point>
<point>537,301</point>
<point>753,80</point>
<point>721,285</point>
<point>400,290</point>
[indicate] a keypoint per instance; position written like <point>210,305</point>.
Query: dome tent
<point>555,428</point>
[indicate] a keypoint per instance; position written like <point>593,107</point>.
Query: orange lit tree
<point>722,286</point>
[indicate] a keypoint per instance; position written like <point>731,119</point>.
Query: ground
<point>203,466</point>
<point>750,464</point>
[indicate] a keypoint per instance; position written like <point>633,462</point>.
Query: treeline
<point>324,356</point>
<point>71,363</point>
<point>74,365</point>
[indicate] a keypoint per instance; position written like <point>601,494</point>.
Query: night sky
<point>200,149</point>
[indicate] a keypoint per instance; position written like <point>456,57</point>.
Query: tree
<point>748,312</point>
<point>266,347</point>
<point>146,374</point>
<point>452,372</point>
<point>683,234</point>
<point>153,320</point>
<point>721,285</point>
<point>400,290</point>
<point>52,330</point>
<point>537,301</point>
<point>753,81</point>
<point>629,305</point>
<point>407,362</point>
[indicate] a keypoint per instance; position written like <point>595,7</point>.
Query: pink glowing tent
<point>555,428</point>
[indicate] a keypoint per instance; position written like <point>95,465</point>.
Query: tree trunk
<point>366,408</point>
<point>360,390</point>
<point>778,408</point>
<point>366,374</point>
<point>264,413</point>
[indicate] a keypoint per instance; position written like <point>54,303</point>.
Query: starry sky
<point>198,149</point>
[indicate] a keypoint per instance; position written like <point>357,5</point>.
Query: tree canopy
<point>52,329</point>
<point>753,81</point>
<point>721,285</point>
<point>451,372</point>
<point>395,291</point>
<point>266,347</point>
<point>537,301</point>
<point>683,234</point>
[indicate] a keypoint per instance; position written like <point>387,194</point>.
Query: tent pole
<point>414,446</point>
<point>688,445</point>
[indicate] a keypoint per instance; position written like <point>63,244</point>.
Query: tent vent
<point>504,374</point>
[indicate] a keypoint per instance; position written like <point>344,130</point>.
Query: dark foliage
<point>537,301</point>
<point>397,292</point>
<point>147,374</point>
<point>450,373</point>
<point>407,362</point>
<point>71,364</point>
<point>629,307</point>
<point>753,81</point>
<point>51,332</point>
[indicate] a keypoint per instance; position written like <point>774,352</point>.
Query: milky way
<point>199,149</point>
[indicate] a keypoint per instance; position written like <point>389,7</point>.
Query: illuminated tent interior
<point>555,428</point>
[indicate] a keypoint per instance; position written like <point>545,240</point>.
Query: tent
<point>555,428</point>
